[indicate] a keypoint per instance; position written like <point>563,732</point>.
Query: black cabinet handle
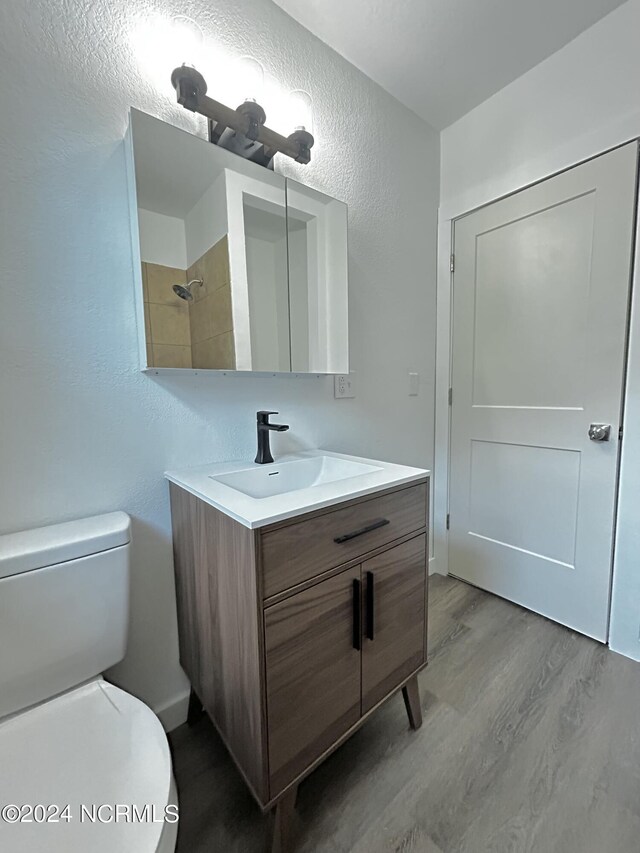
<point>370,606</point>
<point>357,615</point>
<point>379,522</point>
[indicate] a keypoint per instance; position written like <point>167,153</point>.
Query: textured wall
<point>82,430</point>
<point>580,101</point>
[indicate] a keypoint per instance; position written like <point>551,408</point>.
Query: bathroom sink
<point>266,481</point>
<point>257,495</point>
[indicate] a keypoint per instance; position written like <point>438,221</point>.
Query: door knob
<point>599,432</point>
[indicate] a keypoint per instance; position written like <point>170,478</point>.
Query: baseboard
<point>173,713</point>
<point>627,650</point>
<point>435,567</point>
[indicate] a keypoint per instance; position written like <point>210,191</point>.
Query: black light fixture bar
<point>242,130</point>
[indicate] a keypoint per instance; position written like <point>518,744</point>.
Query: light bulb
<point>300,110</point>
<point>161,44</point>
<point>186,40</point>
<point>249,80</point>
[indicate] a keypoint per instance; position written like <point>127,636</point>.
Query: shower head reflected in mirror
<point>184,291</point>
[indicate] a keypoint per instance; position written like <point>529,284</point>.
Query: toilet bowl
<point>84,765</point>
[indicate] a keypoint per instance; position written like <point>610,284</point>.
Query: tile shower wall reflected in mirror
<point>241,268</point>
<point>195,332</point>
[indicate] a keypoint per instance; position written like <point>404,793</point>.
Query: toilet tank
<point>64,606</point>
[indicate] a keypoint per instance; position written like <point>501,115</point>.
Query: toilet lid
<point>90,747</point>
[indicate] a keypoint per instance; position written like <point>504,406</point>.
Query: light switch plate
<point>344,386</point>
<point>414,382</point>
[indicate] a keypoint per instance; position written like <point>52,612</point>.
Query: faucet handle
<point>263,417</point>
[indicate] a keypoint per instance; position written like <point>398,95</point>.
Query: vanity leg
<point>281,820</point>
<point>411,696</point>
<point>196,709</point>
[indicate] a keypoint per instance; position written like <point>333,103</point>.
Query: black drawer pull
<point>370,606</point>
<point>357,615</point>
<point>380,522</point>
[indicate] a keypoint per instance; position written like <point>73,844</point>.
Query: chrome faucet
<point>264,427</point>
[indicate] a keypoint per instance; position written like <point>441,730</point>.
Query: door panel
<point>398,647</point>
<point>312,674</point>
<point>540,303</point>
<point>529,271</point>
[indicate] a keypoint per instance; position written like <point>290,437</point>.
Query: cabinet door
<point>395,591</point>
<point>312,673</point>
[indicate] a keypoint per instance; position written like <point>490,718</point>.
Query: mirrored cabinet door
<point>240,269</point>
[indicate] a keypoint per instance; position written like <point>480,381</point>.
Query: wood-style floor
<point>530,742</point>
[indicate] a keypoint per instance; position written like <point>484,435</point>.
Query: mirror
<point>240,268</point>
<point>317,258</point>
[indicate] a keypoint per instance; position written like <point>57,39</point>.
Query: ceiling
<point>443,57</point>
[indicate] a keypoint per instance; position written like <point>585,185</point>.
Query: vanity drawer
<point>300,551</point>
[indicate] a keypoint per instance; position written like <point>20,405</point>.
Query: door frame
<point>447,217</point>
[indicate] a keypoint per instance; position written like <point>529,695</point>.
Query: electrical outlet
<point>344,386</point>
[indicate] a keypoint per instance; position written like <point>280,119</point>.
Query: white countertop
<point>258,512</point>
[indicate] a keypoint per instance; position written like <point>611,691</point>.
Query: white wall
<point>299,298</point>
<point>266,193</point>
<point>162,239</point>
<point>206,222</point>
<point>326,226</point>
<point>82,430</point>
<point>268,303</point>
<point>579,102</point>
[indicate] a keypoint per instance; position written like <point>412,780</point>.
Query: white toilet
<point>67,737</point>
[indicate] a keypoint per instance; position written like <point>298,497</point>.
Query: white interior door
<point>540,301</point>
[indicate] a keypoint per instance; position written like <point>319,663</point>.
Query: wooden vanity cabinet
<point>396,644</point>
<point>313,674</point>
<point>293,633</point>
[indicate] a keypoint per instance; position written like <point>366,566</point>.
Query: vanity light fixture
<point>243,130</point>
